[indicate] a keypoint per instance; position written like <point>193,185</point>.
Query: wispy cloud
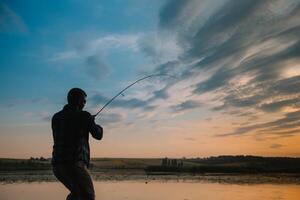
<point>187,105</point>
<point>241,55</point>
<point>12,103</point>
<point>245,48</point>
<point>161,47</point>
<point>105,43</point>
<point>65,55</point>
<point>111,118</point>
<point>96,67</point>
<point>10,21</point>
<point>93,52</point>
<point>127,103</point>
<point>276,146</point>
<point>291,120</point>
<point>42,115</point>
<point>190,139</point>
<point>128,41</point>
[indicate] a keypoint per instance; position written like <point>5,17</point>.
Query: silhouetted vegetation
<point>229,164</point>
<point>219,164</point>
<point>25,164</point>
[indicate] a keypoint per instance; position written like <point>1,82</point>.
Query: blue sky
<point>236,63</point>
<point>41,30</point>
<point>36,35</point>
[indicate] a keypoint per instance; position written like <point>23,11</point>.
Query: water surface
<point>155,190</point>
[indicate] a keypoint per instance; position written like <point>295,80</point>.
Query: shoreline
<point>222,178</point>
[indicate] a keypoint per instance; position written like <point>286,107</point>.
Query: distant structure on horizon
<point>171,162</point>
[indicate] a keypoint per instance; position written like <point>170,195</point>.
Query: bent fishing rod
<point>121,92</point>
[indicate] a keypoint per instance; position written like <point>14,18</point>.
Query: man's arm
<point>95,129</point>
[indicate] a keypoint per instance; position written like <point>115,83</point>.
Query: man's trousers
<point>77,179</point>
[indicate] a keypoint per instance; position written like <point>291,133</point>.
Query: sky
<point>234,90</point>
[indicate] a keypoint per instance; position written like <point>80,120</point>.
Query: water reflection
<point>137,190</point>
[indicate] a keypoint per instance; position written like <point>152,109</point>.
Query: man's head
<point>76,98</point>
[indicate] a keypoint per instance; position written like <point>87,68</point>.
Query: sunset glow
<point>236,63</point>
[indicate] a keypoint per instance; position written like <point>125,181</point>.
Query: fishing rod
<point>118,94</point>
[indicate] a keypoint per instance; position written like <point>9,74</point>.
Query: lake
<point>155,190</point>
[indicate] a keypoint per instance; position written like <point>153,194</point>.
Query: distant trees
<point>38,159</point>
<point>229,164</point>
<point>32,163</point>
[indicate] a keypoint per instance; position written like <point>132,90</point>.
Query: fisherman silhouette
<point>71,153</point>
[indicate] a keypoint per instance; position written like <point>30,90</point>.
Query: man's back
<point>71,129</point>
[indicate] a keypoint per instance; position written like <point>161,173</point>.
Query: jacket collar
<point>68,107</point>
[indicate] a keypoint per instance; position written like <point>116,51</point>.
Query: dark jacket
<point>71,128</point>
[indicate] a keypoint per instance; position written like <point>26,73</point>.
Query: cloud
<point>285,133</point>
<point>160,47</point>
<point>93,53</point>
<point>171,11</point>
<point>267,96</point>
<point>111,118</point>
<point>239,52</point>
<point>289,121</point>
<point>232,54</point>
<point>109,42</point>
<point>232,30</point>
<point>276,146</point>
<point>217,80</point>
<point>10,21</point>
<point>42,115</point>
<point>66,55</point>
<point>105,44</point>
<point>131,103</point>
<point>159,94</point>
<point>277,105</point>
<point>96,67</point>
<point>187,105</point>
<point>190,139</point>
<point>13,103</point>
<point>287,86</point>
